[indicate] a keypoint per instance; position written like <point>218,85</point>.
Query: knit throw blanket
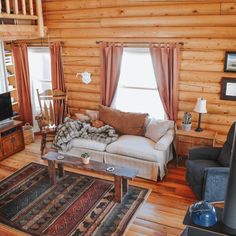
<point>71,129</point>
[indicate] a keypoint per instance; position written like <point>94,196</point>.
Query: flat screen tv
<point>6,111</point>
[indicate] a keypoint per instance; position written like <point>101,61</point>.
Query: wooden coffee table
<point>121,174</point>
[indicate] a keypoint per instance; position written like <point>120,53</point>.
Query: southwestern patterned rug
<point>77,205</point>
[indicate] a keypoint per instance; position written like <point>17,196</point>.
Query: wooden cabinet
<point>11,139</point>
<point>188,139</point>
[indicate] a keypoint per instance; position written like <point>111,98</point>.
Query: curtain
<point>57,71</point>
<point>111,56</point>
<point>20,53</point>
<point>165,61</point>
<point>58,81</point>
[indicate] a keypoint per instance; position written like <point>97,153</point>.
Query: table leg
<point>60,169</point>
<point>125,185</point>
<point>118,188</point>
<point>177,160</point>
<point>121,187</point>
<point>52,172</point>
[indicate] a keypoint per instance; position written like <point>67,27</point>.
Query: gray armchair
<point>207,170</point>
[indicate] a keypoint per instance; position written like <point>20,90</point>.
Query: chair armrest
<point>215,183</point>
<point>165,141</point>
<point>206,153</point>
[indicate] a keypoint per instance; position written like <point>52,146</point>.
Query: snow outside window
<point>40,75</point>
<point>137,88</point>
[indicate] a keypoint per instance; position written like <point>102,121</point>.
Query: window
<point>137,89</point>
<point>40,74</point>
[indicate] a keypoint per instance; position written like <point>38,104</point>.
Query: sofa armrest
<point>215,183</point>
<point>164,142</point>
<point>206,153</point>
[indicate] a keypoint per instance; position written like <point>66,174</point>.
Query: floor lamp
<point>200,108</point>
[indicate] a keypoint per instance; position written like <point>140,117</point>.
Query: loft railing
<point>22,12</point>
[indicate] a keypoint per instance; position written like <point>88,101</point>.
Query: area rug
<point>76,205</point>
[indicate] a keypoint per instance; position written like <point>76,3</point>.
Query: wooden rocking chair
<point>53,110</point>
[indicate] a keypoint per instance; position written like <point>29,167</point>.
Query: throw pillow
<point>123,122</point>
<point>93,115</point>
<point>82,117</point>
<point>156,129</point>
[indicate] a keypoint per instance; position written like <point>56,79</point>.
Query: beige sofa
<point>148,157</point>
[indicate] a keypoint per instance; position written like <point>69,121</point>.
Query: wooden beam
<point>153,32</point>
<point>85,4</point>
<point>8,10</point>
<point>31,7</point>
<point>17,17</point>
<point>15,32</point>
<point>174,10</point>
<point>40,17</point>
<point>16,8</point>
<point>23,7</point>
<point>199,20</point>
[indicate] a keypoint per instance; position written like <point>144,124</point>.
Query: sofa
<point>148,150</point>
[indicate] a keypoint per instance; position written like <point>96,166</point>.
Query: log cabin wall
<point>207,28</point>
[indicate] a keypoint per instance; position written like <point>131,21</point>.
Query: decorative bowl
<point>203,214</point>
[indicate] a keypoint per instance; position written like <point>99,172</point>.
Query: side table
<point>216,230</point>
<point>188,139</point>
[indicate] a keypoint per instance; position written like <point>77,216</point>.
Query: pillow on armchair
<point>123,122</point>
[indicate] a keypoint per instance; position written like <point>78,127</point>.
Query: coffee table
<point>121,174</point>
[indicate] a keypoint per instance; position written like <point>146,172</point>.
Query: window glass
<point>40,74</point>
<point>137,88</point>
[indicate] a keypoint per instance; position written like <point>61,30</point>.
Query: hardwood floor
<point>162,213</point>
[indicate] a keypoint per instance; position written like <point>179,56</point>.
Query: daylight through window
<point>137,88</point>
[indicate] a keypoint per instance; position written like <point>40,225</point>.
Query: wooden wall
<point>207,28</point>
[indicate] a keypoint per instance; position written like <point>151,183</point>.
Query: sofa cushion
<point>123,122</point>
<point>136,147</point>
<point>88,144</point>
<point>156,129</point>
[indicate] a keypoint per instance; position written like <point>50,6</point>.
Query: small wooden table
<point>188,139</point>
<point>121,174</point>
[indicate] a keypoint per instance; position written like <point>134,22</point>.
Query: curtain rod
<point>36,43</point>
<point>181,43</point>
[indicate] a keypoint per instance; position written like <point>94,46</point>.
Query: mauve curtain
<point>57,71</point>
<point>20,53</point>
<point>165,59</point>
<point>58,81</point>
<point>111,56</point>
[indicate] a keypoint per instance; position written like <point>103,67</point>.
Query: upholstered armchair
<point>207,170</point>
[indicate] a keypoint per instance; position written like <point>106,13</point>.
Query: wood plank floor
<point>162,213</point>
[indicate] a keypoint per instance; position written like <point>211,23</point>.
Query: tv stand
<point>5,122</point>
<point>11,139</point>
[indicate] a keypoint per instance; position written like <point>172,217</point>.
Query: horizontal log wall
<point>207,28</point>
